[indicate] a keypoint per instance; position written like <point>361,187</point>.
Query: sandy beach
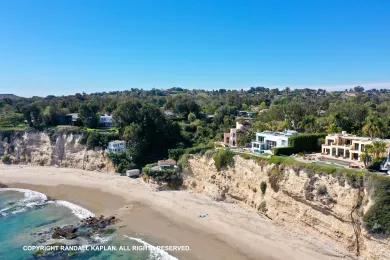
<point>173,217</point>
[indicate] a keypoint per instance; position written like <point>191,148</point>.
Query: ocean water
<point>27,219</point>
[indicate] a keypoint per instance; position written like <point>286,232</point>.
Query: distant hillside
<point>10,96</point>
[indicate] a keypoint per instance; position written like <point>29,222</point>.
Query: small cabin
<point>166,164</point>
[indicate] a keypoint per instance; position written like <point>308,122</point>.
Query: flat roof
<point>117,141</point>
<point>286,133</point>
<point>358,138</point>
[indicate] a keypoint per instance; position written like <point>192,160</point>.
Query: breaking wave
<point>155,252</point>
<point>77,210</point>
<point>34,199</point>
<point>31,199</point>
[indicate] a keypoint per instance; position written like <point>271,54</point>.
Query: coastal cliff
<point>60,149</point>
<point>328,205</point>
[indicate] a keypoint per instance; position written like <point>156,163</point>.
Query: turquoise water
<point>27,218</point>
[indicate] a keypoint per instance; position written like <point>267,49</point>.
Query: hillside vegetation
<point>155,121</point>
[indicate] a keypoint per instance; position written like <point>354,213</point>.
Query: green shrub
<point>263,207</point>
<point>284,150</point>
<point>306,142</point>
<point>263,187</point>
<point>377,217</point>
<point>223,158</point>
<point>275,177</point>
<point>281,160</point>
<point>209,154</point>
<point>170,176</point>
<point>95,138</point>
<point>183,161</point>
<point>322,190</point>
<point>6,159</point>
<point>375,164</point>
<point>177,152</point>
<point>122,161</point>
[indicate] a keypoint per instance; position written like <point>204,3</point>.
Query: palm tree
<point>365,156</point>
<point>373,126</point>
<point>377,149</point>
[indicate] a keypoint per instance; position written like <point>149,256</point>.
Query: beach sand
<point>173,217</point>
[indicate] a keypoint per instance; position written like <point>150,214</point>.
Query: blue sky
<point>62,47</point>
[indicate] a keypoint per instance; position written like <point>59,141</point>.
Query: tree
<point>88,115</point>
<point>359,89</point>
<point>293,113</point>
<point>262,105</point>
<point>373,126</point>
<point>191,117</point>
<point>348,116</point>
<point>33,115</point>
<point>377,149</point>
<point>127,113</point>
<point>245,138</point>
<point>11,119</point>
<point>132,133</point>
<point>49,115</point>
<point>365,156</point>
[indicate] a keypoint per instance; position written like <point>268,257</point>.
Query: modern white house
<point>267,140</point>
<point>116,146</point>
<point>106,120</point>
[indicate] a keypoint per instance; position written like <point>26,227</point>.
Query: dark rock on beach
<point>86,228</point>
<point>68,232</point>
<point>98,223</point>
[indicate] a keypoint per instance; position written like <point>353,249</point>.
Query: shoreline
<point>172,217</point>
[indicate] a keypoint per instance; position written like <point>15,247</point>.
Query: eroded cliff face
<point>330,206</point>
<point>63,150</point>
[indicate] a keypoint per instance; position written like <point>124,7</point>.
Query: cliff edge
<point>328,205</point>
<point>44,149</point>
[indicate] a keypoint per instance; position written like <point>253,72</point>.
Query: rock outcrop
<point>63,150</point>
<point>328,205</point>
<point>89,226</point>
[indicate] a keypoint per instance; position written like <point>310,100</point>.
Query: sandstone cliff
<point>324,204</point>
<point>63,150</point>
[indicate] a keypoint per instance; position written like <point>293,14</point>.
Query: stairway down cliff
<point>331,206</point>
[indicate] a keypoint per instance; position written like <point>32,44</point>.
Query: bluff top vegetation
<point>154,121</point>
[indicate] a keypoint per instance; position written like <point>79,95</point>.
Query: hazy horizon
<point>341,87</point>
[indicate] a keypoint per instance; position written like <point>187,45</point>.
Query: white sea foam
<point>34,198</point>
<point>101,239</point>
<point>29,195</point>
<point>31,199</point>
<point>155,252</point>
<point>77,210</point>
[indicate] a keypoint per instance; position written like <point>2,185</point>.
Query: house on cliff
<point>116,146</point>
<point>267,140</point>
<point>231,138</point>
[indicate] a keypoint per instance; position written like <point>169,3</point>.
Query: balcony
<point>341,146</point>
